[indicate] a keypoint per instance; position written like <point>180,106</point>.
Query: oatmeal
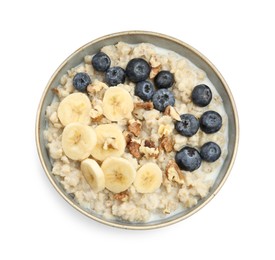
<point>136,133</point>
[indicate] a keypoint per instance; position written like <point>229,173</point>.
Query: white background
<point>237,36</point>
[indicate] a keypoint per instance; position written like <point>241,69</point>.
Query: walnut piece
<point>171,111</point>
<point>91,89</point>
<point>134,149</point>
<point>122,196</point>
<point>166,143</point>
<point>110,142</point>
<point>96,86</point>
<point>134,127</point>
<point>145,105</point>
<point>96,113</point>
<point>154,61</point>
<point>154,72</point>
<point>149,143</point>
<point>174,173</point>
<point>55,91</point>
<point>128,136</point>
<point>97,119</point>
<point>149,149</point>
<point>164,130</point>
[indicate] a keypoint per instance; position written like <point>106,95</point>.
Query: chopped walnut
<point>97,119</point>
<point>166,143</point>
<point>171,111</point>
<point>128,136</point>
<point>154,61</point>
<point>174,173</point>
<point>91,89</point>
<point>55,91</point>
<point>134,127</point>
<point>149,143</point>
<point>96,113</point>
<point>110,143</point>
<point>134,149</point>
<point>165,130</point>
<point>122,196</point>
<point>96,86</point>
<point>97,89</point>
<point>154,72</point>
<point>149,149</point>
<point>167,111</point>
<point>145,105</point>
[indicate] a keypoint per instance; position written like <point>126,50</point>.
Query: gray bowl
<point>162,41</point>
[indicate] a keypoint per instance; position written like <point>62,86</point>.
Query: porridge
<point>136,132</point>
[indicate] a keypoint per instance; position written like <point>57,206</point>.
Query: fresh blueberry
<point>137,70</point>
<point>188,159</point>
<point>210,152</point>
<point>144,90</point>
<point>81,81</point>
<point>188,126</point>
<point>210,122</point>
<point>201,95</point>
<point>115,76</point>
<point>163,98</point>
<point>164,79</point>
<point>101,61</point>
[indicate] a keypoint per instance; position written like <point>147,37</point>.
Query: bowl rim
<point>132,225</point>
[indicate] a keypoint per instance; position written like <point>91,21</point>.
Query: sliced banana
<point>93,174</point>
<point>110,142</point>
<point>78,141</point>
<point>117,104</point>
<point>74,108</point>
<point>119,174</point>
<point>149,178</point>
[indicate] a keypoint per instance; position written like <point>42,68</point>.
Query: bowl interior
<point>162,41</point>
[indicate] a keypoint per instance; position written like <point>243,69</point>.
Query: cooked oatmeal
<point>149,136</point>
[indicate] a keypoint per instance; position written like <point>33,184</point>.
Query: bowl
<point>163,41</point>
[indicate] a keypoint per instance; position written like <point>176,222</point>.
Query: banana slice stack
<point>105,143</point>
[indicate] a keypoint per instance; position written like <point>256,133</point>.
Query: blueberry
<point>137,70</point>
<point>163,98</point>
<point>188,126</point>
<point>81,81</point>
<point>210,122</point>
<point>164,79</point>
<point>201,95</point>
<point>115,76</point>
<point>101,61</point>
<point>210,152</point>
<point>144,90</point>
<point>188,159</point>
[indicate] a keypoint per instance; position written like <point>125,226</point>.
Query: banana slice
<point>110,141</point>
<point>119,174</point>
<point>78,141</point>
<point>149,178</point>
<point>117,104</point>
<point>93,174</point>
<point>74,108</point>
